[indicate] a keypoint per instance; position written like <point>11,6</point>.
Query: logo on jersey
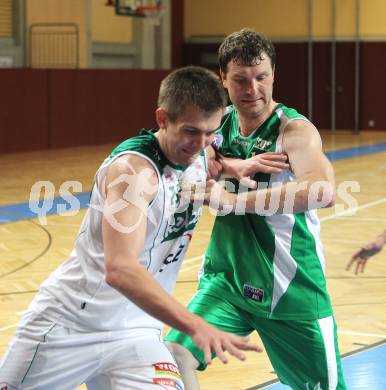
<point>166,368</point>
<point>179,223</point>
<point>178,254</point>
<point>164,382</point>
<point>167,374</point>
<point>217,141</point>
<point>244,144</point>
<point>262,144</point>
<point>182,217</point>
<point>254,293</point>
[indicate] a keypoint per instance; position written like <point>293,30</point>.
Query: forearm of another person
<point>244,170</point>
<point>314,184</point>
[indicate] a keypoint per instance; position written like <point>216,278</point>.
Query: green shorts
<point>303,353</point>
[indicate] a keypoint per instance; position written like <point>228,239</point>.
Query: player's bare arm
<point>128,276</point>
<point>314,184</point>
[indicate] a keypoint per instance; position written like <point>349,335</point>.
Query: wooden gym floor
<point>29,251</point>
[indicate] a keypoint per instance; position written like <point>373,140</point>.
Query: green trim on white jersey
<point>77,295</point>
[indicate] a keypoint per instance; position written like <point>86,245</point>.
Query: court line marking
<point>192,259</point>
<point>327,218</point>
<point>374,219</point>
<point>8,327</point>
<point>342,240</point>
<point>362,334</point>
<point>272,384</point>
<point>353,210</point>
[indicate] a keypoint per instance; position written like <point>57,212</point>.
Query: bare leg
<point>187,364</point>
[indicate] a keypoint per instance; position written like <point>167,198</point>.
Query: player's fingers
<point>273,156</point>
<point>214,169</point>
<point>218,349</point>
<point>354,258</point>
<point>358,265</point>
<point>363,265</point>
<point>274,163</point>
<point>268,169</point>
<point>242,342</point>
<point>252,347</point>
<point>248,182</point>
<point>207,354</point>
<point>234,351</point>
<point>351,262</point>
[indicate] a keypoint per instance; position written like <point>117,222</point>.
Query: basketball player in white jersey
<point>98,318</point>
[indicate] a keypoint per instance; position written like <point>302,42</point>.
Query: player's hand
<point>361,257</point>
<point>214,169</point>
<point>214,341</point>
<point>270,162</point>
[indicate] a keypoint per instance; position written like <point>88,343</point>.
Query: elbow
<point>113,274</point>
<point>329,194</point>
<point>111,277</point>
<point>321,195</point>
<point>120,275</point>
<point>330,204</point>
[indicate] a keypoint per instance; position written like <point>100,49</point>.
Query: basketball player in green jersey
<point>264,267</point>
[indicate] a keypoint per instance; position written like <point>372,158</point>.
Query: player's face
<point>193,131</point>
<point>250,87</point>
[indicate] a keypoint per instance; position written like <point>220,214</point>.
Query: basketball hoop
<point>138,8</point>
<point>150,11</point>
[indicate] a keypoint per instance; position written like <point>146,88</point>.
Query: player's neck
<point>161,136</point>
<point>248,125</point>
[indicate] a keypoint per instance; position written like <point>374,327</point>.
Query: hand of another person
<point>270,162</point>
<point>214,169</point>
<point>211,340</point>
<point>363,254</point>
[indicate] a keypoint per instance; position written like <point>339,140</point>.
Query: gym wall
<point>286,23</point>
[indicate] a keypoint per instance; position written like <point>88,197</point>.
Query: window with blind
<point>6,19</point>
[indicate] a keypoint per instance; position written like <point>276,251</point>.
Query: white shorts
<point>46,356</point>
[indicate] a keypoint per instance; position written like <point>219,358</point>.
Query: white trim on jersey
<point>327,329</point>
<point>284,265</point>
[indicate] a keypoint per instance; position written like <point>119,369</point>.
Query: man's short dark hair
<point>191,85</point>
<point>245,47</point>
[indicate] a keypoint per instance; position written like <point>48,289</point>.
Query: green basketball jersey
<point>272,266</point>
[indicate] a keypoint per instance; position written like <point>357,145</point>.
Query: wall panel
<point>61,108</point>
<point>373,82</point>
<point>98,106</point>
<point>24,119</point>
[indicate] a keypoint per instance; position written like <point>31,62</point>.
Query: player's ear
<point>161,117</point>
<point>223,78</point>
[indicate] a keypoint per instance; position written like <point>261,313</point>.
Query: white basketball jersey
<point>76,295</point>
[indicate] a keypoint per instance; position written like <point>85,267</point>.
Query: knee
<point>183,356</point>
